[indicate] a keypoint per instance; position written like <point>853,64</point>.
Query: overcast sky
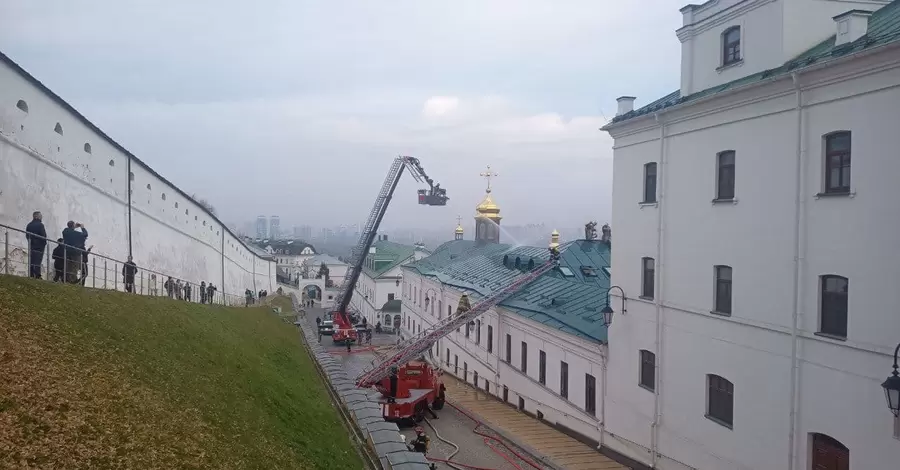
<point>296,108</point>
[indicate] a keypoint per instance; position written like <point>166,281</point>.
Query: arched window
<point>58,129</point>
<point>148,185</point>
<point>22,105</point>
<point>112,162</point>
<point>87,147</point>
<point>731,46</point>
<point>720,400</point>
<point>164,198</point>
<point>829,453</point>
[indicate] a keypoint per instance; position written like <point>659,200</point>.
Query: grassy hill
<point>95,379</point>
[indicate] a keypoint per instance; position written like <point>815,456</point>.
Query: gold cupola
<point>487,215</point>
<point>458,233</point>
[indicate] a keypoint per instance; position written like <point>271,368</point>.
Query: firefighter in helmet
<point>420,443</point>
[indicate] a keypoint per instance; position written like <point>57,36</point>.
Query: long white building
<point>380,279</point>
<point>762,310</point>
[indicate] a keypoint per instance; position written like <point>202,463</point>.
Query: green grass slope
<point>94,379</point>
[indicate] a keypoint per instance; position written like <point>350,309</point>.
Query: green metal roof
<point>386,257</point>
<point>884,28</point>
<point>569,303</point>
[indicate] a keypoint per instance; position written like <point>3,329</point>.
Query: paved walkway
<point>562,450</point>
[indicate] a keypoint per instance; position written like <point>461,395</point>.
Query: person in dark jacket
<point>37,242</point>
<point>129,269</point>
<point>59,255</point>
<point>74,240</point>
<point>203,292</point>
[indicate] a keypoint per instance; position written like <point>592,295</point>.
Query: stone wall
<point>53,160</point>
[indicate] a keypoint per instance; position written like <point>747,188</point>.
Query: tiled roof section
<point>391,306</point>
<point>884,28</point>
<point>387,256</point>
<point>570,303</point>
<point>325,258</point>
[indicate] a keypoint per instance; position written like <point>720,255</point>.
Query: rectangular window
<point>564,380</point>
<point>390,297</point>
<point>590,394</point>
<point>448,356</point>
<point>648,370</point>
<point>456,365</point>
<point>475,378</point>
<point>649,183</point>
<point>477,331</point>
<point>542,368</point>
<point>720,405</point>
<point>505,394</point>
<point>465,376</point>
<point>508,349</point>
<point>725,172</point>
<point>834,306</point>
<point>490,339</point>
<point>521,403</point>
<point>731,46</point>
<point>468,330</point>
<point>837,163</point>
<point>723,290</point>
<point>524,357</point>
<point>648,277</point>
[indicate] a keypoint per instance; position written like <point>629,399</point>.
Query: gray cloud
<point>296,108</point>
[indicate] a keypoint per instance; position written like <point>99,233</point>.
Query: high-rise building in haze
<point>262,227</point>
<point>303,232</point>
<point>274,227</point>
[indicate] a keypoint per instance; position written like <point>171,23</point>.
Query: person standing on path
<point>37,243</point>
<point>129,269</point>
<point>74,240</point>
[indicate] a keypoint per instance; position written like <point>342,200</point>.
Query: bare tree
<point>203,202</point>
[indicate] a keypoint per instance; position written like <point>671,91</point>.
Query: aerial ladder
<point>408,384</point>
<point>344,330</point>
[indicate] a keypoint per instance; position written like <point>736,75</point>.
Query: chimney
<point>851,26</point>
<point>626,104</point>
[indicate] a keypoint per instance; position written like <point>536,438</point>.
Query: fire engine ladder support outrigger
<point>370,230</point>
<point>419,344</point>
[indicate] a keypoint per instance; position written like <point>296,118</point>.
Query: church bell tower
<point>487,215</point>
<point>459,232</point>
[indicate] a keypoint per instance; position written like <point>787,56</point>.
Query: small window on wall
<point>148,185</point>
<point>649,183</point>
<point>164,198</point>
<point>648,370</point>
<point>837,163</point>
<point>22,105</point>
<point>131,177</point>
<point>731,46</point>
<point>720,400</point>
<point>725,175</point>
<point>648,277</point>
<point>112,162</point>
<point>723,290</point>
<point>833,306</point>
<point>58,129</point>
<point>176,205</point>
<point>87,147</point>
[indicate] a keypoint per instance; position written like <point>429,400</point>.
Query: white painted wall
<point>378,290</point>
<point>470,353</point>
<point>838,385</point>
<point>772,33</point>
<point>43,170</point>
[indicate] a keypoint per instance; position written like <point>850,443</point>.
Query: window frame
<point>720,388</point>
<point>719,284</point>
<point>564,379</point>
<point>825,308</point>
<point>590,394</point>
<point>490,339</point>
<point>478,331</point>
<point>523,365</point>
<point>726,171</point>
<point>542,367</point>
<point>732,52</point>
<point>647,369</point>
<point>508,348</point>
<point>649,197</point>
<point>648,276</point>
<point>842,166</point>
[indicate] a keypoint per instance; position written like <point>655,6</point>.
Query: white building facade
<point>761,316</point>
<point>380,280</point>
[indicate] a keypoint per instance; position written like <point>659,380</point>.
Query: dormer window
<point>731,46</point>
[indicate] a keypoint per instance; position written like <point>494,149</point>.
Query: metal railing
<point>58,262</point>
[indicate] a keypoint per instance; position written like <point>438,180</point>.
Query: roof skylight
<point>566,271</point>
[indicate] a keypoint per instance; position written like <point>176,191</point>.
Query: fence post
<point>115,275</point>
<point>94,273</point>
<point>49,269</point>
<point>65,273</point>
<point>28,258</point>
<point>142,282</point>
<point>105,269</point>
<point>6,252</point>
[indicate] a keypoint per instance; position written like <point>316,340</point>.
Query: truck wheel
<point>419,412</point>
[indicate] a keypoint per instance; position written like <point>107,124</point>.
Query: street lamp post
<point>608,311</point>
<point>892,387</point>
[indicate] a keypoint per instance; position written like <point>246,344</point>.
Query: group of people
<point>251,298</point>
<point>70,263</point>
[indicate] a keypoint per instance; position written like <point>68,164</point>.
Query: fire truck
<point>409,384</point>
<point>434,195</point>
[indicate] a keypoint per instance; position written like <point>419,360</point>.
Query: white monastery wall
<point>80,174</point>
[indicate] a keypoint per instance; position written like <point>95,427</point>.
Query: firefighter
<point>421,442</point>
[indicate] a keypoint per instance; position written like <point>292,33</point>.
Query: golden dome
<point>488,208</point>
<point>459,229</point>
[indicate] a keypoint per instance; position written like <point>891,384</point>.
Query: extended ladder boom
<point>437,196</point>
<point>416,346</point>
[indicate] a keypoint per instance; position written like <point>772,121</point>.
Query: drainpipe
<point>602,423</point>
<point>660,205</point>
<point>799,251</point>
<point>128,179</point>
